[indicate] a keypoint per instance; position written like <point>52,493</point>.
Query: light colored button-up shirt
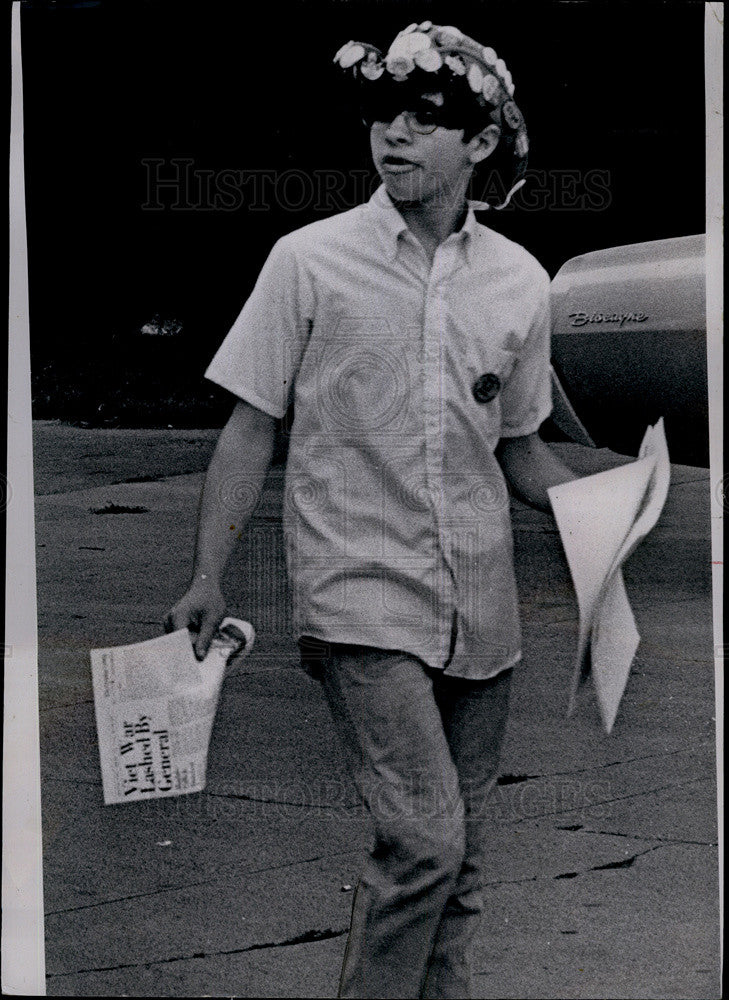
<point>396,512</point>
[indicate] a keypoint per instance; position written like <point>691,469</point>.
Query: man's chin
<point>406,189</point>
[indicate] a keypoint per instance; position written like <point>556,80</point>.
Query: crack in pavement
<point>622,863</point>
<point>513,779</point>
<point>194,885</point>
<point>304,861</point>
<point>618,798</point>
<point>283,802</point>
<point>316,935</point>
<point>306,937</point>
<point>611,865</point>
<point>661,840</point>
<point>125,899</point>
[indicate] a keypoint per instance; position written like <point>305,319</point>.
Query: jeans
<point>423,750</point>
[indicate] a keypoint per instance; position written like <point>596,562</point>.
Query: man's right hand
<point>201,609</point>
<point>232,488</point>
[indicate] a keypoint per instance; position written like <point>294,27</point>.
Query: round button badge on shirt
<point>486,387</point>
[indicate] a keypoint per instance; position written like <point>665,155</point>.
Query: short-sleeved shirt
<point>404,373</point>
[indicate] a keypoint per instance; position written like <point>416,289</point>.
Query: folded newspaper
<point>601,520</point>
<point>155,707</point>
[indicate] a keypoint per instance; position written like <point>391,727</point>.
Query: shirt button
<point>486,387</point>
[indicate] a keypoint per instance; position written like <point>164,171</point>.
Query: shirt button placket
<point>432,389</point>
<point>433,415</point>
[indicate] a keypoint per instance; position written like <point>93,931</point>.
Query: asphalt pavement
<point>602,870</point>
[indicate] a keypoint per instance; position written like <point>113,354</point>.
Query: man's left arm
<point>531,467</point>
<point>528,463</point>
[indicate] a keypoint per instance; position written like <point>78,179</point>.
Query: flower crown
<point>437,49</point>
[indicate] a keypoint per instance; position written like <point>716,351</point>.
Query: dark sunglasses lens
<point>425,119</point>
<point>379,108</point>
<point>384,101</point>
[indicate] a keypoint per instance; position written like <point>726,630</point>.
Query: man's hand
<point>201,609</point>
<point>231,491</point>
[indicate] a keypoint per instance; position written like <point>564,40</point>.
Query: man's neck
<point>433,222</point>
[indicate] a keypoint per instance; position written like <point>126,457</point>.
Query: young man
<point>416,344</point>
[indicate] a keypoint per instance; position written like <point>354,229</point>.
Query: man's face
<point>419,161</point>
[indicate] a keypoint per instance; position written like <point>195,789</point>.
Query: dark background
<point>614,87</point>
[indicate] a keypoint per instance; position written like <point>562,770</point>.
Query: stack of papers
<point>155,708</point>
<point>601,520</point>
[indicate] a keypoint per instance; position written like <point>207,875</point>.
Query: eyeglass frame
<point>410,117</point>
<point>446,116</point>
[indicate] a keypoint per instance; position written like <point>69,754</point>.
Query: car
<point>629,346</point>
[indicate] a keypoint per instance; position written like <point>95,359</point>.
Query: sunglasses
<point>422,116</point>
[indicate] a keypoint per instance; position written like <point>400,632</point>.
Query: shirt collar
<point>392,227</point>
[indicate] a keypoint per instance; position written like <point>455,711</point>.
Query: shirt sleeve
<point>526,398</point>
<point>260,356</point>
